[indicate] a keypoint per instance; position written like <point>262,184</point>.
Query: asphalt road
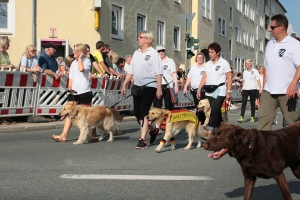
<point>33,166</point>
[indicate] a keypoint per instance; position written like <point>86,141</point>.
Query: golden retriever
<point>173,128</point>
<point>90,117</point>
<point>205,107</point>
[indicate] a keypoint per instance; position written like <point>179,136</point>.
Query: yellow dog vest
<point>180,115</point>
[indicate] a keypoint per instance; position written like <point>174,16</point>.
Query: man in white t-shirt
<point>282,73</point>
<point>251,80</point>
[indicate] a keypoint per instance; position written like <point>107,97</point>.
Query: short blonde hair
<point>249,61</point>
<point>114,58</point>
<point>68,60</point>
<point>81,47</point>
<point>28,49</point>
<point>200,53</point>
<point>261,67</point>
<point>149,35</point>
<point>4,40</point>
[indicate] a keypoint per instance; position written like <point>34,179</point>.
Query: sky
<point>293,14</point>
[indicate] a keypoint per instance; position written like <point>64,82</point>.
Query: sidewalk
<point>28,127</point>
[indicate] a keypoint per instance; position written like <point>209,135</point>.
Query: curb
<point>29,127</point>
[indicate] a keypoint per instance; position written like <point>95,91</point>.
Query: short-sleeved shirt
<point>29,62</point>
<point>106,60</point>
<point>145,66</point>
<point>196,74</point>
<point>98,58</point>
<point>281,61</point>
<point>250,79</point>
<point>48,62</point>
<point>4,59</point>
<point>80,82</point>
<point>216,74</point>
<point>169,68</point>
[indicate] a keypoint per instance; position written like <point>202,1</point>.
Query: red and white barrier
<point>17,94</point>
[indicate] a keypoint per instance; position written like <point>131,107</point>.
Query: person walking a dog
<point>217,73</point>
<point>282,74</point>
<point>78,81</point>
<point>194,77</point>
<point>146,69</point>
<point>249,88</point>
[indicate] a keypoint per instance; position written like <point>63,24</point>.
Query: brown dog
<point>173,128</point>
<point>90,117</point>
<point>263,154</point>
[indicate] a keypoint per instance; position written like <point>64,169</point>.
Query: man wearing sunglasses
<point>282,74</point>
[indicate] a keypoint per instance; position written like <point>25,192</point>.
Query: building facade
<point>239,26</point>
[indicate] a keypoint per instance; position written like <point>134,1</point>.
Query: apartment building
<point>116,22</point>
<point>239,26</point>
<point>241,29</point>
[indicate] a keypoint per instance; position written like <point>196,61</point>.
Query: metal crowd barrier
<point>21,96</point>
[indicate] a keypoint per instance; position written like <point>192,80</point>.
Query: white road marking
<point>136,177</point>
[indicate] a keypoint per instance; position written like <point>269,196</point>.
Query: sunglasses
<point>273,27</point>
<point>33,51</point>
<point>161,51</point>
<point>140,37</point>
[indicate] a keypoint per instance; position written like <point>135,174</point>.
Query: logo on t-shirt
<point>252,72</point>
<point>281,52</point>
<point>165,67</point>
<point>147,57</point>
<point>201,73</point>
<point>217,68</point>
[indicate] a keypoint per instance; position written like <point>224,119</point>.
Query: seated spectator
<point>29,60</point>
<point>120,66</point>
<point>4,57</point>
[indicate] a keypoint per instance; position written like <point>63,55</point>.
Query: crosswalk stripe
<point>136,177</point>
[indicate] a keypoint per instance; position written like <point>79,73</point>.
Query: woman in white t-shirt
<point>217,73</point>
<point>194,77</point>
<point>78,81</point>
<point>29,60</point>
<point>146,69</point>
<point>251,82</point>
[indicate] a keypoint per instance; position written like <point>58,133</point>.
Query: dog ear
<point>239,133</point>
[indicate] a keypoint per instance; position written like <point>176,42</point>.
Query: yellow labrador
<point>205,107</point>
<point>174,127</point>
<point>90,117</point>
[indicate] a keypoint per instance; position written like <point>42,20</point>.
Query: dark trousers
<point>200,115</point>
<point>245,94</point>
<point>167,99</point>
<point>142,104</point>
<point>215,115</point>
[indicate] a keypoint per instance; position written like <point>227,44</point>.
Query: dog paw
<point>187,148</point>
<point>78,142</point>
<point>100,139</point>
<point>199,145</point>
<point>158,149</point>
<point>110,140</point>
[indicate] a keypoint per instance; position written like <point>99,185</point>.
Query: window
<point>261,45</point>
<point>117,22</point>
<point>7,17</point>
<point>223,55</point>
<point>230,50</point>
<point>206,9</point>
<point>140,23</point>
<point>252,13</point>
<point>221,26</point>
<point>230,16</point>
<point>261,21</point>
<point>176,39</point>
<point>160,32</point>
<point>239,5</point>
<point>256,32</point>
<point>238,34</point>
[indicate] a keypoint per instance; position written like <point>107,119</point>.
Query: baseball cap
<point>160,47</point>
<point>50,45</point>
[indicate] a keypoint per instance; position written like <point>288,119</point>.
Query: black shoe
<point>142,144</point>
<point>153,135</point>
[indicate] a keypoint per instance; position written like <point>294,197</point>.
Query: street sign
<point>186,19</point>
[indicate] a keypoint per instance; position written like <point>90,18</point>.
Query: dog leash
<point>121,100</point>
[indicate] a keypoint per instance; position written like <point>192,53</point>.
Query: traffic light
<point>191,41</point>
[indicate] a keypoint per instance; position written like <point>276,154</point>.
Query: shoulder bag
<point>136,91</point>
<point>174,96</point>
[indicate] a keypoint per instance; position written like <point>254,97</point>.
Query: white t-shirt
<point>29,62</point>
<point>126,66</point>
<point>281,61</point>
<point>196,74</point>
<point>250,79</point>
<point>216,74</point>
<point>80,80</point>
<point>145,66</point>
<point>169,68</point>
